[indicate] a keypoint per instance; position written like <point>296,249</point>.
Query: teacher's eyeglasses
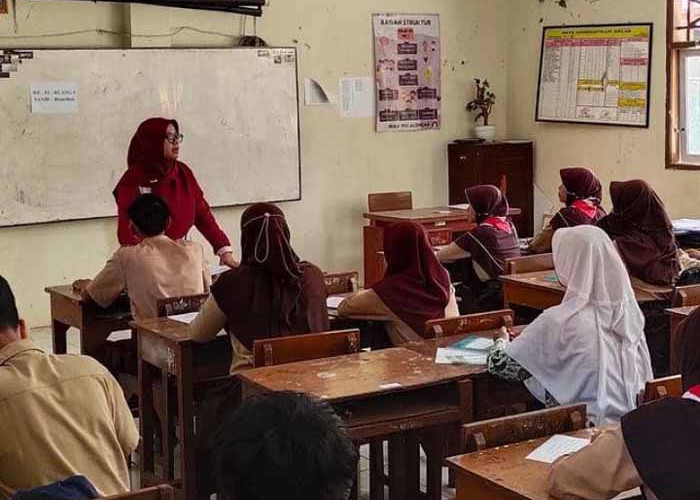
<point>174,138</point>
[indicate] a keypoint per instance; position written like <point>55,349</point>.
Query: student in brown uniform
<point>415,289</point>
<point>158,267</point>
<point>656,446</point>
<point>582,193</point>
<point>489,245</point>
<point>273,293</point>
<point>62,415</point>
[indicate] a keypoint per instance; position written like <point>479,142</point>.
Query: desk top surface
<point>539,279</point>
<point>682,311</point>
<point>506,470</point>
<point>64,291</point>
<point>428,348</point>
<point>442,213</point>
<point>355,376</point>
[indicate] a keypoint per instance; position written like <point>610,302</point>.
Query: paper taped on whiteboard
<point>55,98</point>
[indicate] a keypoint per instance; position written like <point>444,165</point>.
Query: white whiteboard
<point>598,74</point>
<point>237,108</point>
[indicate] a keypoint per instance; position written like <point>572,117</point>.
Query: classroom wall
<point>342,159</point>
<point>615,153</point>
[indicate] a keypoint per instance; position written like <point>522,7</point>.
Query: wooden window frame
<point>3,6</point>
<point>674,51</point>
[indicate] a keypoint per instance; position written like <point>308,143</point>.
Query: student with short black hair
<point>62,415</point>
<point>156,268</point>
<point>285,445</point>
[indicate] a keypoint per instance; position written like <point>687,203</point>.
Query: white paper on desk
<point>557,446</point>
<point>460,206</point>
<point>447,356</point>
<point>637,492</point>
<point>686,225</point>
<point>216,269</point>
<point>186,318</point>
<point>334,301</point>
<point>119,335</point>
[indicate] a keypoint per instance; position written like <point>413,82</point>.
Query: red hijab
<point>416,287</point>
<point>643,232</point>
<point>146,155</point>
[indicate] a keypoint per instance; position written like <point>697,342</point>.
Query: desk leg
<point>377,478</point>
<point>147,462</point>
<point>185,391</point>
<point>58,335</point>
<point>412,465</point>
<point>397,467</point>
<point>676,321</point>
<point>167,428</point>
<point>372,239</point>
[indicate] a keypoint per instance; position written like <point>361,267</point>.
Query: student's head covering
<point>581,184</point>
<point>643,232</point>
<point>487,201</point>
<point>415,287</point>
<point>590,348</point>
<point>267,296</point>
<point>663,438</point>
<point>265,243</point>
<point>146,148</point>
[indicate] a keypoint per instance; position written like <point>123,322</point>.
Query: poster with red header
<point>407,71</point>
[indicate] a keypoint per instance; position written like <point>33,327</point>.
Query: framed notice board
<point>595,74</point>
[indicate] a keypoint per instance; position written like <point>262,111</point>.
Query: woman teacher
<point>154,168</point>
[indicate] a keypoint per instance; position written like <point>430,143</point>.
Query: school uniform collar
<point>693,394</point>
<point>11,350</point>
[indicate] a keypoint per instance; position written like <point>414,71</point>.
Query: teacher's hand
<point>226,259</point>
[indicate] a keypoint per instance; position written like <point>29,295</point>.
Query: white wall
<point>615,153</point>
<point>342,159</point>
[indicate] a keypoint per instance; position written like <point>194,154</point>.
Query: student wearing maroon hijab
<point>489,245</point>
<point>272,294</point>
<point>154,168</point>
<point>581,192</point>
<point>415,289</point>
<point>656,446</point>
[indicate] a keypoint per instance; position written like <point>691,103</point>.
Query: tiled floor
<point>42,336</point>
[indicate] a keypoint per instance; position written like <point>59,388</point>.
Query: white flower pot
<point>486,132</point>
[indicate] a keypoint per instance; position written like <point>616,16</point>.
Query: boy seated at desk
<point>156,268</point>
<point>62,415</point>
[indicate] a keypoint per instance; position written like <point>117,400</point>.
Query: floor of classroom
<point>42,337</point>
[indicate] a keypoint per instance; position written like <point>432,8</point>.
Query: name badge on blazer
<point>145,190</point>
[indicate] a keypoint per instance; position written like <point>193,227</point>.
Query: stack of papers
<point>557,446</point>
<point>460,206</point>
<point>682,226</point>
<point>472,350</point>
<point>334,301</point>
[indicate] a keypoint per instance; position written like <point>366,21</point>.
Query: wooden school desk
<point>503,473</point>
<point>678,314</point>
<point>538,290</point>
<point>388,394</point>
<point>440,222</point>
<point>94,323</point>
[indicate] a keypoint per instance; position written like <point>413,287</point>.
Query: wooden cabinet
<point>508,165</point>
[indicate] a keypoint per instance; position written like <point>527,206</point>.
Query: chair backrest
<point>530,264</point>
<point>181,305</point>
<point>686,296</point>
<point>667,387</point>
<point>160,492</point>
<point>382,202</point>
<point>439,237</point>
<point>515,428</point>
<point>280,350</point>
<point>345,282</point>
<point>437,328</point>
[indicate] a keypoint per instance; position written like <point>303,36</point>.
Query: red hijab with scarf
<point>494,239</point>
<point>584,195</point>
<point>150,172</point>
<point>643,233</point>
<point>415,287</point>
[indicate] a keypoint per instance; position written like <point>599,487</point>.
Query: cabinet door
<point>512,162</point>
<point>463,171</point>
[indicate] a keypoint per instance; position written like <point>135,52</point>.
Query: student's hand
<point>226,259</point>
<point>80,285</point>
<point>695,254</point>
<point>502,334</point>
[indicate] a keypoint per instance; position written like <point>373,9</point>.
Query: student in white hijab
<point>590,348</point>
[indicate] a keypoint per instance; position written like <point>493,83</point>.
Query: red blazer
<point>185,198</point>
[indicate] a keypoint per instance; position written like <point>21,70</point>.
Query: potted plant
<point>483,105</point>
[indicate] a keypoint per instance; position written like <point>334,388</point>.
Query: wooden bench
<point>479,436</point>
<point>382,202</point>
<point>181,305</point>
<point>530,264</point>
<point>686,296</point>
<point>460,325</point>
<point>280,350</point>
<point>666,387</point>
<point>342,282</point>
